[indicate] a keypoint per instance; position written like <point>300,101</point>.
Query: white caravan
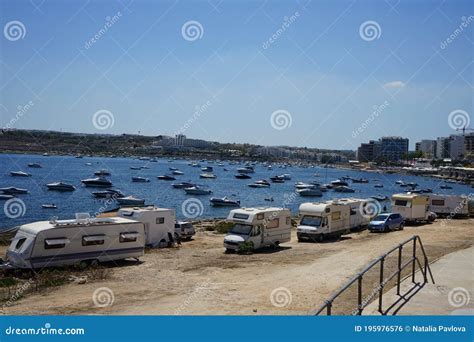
<point>449,205</point>
<point>257,228</point>
<point>83,241</point>
<point>413,207</point>
<point>331,218</point>
<point>159,223</point>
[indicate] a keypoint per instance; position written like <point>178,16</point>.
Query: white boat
<point>20,174</point>
<point>99,182</point>
<point>339,182</point>
<point>130,200</point>
<point>49,206</point>
<point>343,188</point>
<point>246,169</point>
<point>260,184</point>
<point>140,179</point>
<point>60,186</point>
<point>13,190</point>
<point>224,202</point>
<point>197,190</point>
<point>110,193</point>
<point>207,175</point>
<point>102,172</point>
<point>310,192</point>
<point>301,185</point>
<point>6,197</point>
<point>177,172</point>
<point>183,185</point>
<point>34,165</point>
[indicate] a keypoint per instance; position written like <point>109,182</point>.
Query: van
<point>255,228</point>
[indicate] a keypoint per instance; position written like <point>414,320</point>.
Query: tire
<point>386,229</point>
<point>94,263</point>
<point>320,238</point>
<point>402,225</point>
<point>84,264</point>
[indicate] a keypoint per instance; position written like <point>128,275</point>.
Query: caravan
<point>449,205</point>
<point>331,218</point>
<point>258,228</point>
<point>159,223</point>
<point>83,241</point>
<point>413,207</point>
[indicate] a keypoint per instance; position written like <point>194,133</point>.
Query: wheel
<point>386,229</point>
<point>84,264</point>
<point>320,238</point>
<point>94,263</point>
<point>402,225</point>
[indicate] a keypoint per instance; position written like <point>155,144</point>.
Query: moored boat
<point>60,186</point>
<point>140,179</point>
<point>35,165</point>
<point>224,202</point>
<point>99,182</point>
<point>197,190</point>
<point>166,177</point>
<point>242,176</point>
<point>309,192</point>
<point>13,190</point>
<point>20,174</point>
<point>130,200</point>
<point>207,175</point>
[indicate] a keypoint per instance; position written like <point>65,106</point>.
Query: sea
<point>28,208</point>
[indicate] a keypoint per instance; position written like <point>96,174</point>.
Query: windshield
<point>380,218</point>
<point>241,229</point>
<point>314,221</point>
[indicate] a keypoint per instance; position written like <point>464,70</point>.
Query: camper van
<point>258,228</point>
<point>413,207</point>
<point>83,241</point>
<point>159,223</point>
<point>449,205</point>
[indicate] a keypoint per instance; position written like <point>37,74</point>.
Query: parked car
<point>387,222</point>
<point>184,229</point>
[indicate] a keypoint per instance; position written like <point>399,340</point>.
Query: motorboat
<point>301,185</point>
<point>102,172</point>
<point>360,180</point>
<point>6,197</point>
<point>286,176</point>
<point>277,179</point>
<point>343,188</point>
<point>35,165</point>
<point>197,190</point>
<point>224,202</point>
<point>339,182</point>
<point>378,186</point>
<point>177,173</point>
<point>172,169</point>
<point>246,169</point>
<point>426,191</point>
<point>183,185</point>
<point>260,184</point>
<point>445,187</point>
<point>135,167</point>
<point>268,199</point>
<point>13,190</point>
<point>242,176</point>
<point>49,206</point>
<point>166,177</point>
<point>130,200</point>
<point>310,192</point>
<point>140,179</point>
<point>399,182</point>
<point>99,182</point>
<point>20,174</point>
<point>108,193</point>
<point>207,169</point>
<point>60,186</point>
<point>207,175</point>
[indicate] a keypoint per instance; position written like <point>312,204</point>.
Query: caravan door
<point>256,236</point>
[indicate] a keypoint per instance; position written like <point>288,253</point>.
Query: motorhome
<point>330,218</point>
<point>257,228</point>
<point>159,223</point>
<point>413,207</point>
<point>449,205</point>
<point>83,240</point>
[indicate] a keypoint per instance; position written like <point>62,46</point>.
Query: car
<point>184,229</point>
<point>387,222</point>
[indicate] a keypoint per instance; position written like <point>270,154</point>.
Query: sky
<point>325,74</point>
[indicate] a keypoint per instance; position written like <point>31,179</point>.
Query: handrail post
<point>425,276</point>
<point>400,249</point>
<point>381,285</point>
<point>413,265</point>
<point>329,307</point>
<point>359,296</point>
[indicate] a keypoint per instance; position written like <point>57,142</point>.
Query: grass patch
<point>221,227</point>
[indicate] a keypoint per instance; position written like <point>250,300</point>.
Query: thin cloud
<point>394,84</point>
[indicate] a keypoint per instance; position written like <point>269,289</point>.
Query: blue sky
<point>319,70</point>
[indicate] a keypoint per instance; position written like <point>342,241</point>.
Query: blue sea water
<point>161,193</point>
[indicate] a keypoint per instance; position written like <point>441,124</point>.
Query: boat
<point>130,200</point>
<point>35,165</point>
<point>166,177</point>
<point>88,164</point>
<point>343,188</point>
<point>378,186</point>
<point>207,169</point>
<point>260,184</point>
<point>20,174</point>
<point>197,190</point>
<point>269,199</point>
<point>177,172</point>
<point>100,182</point>
<point>226,169</point>
<point>108,193</point>
<point>135,167</point>
<point>102,172</point>
<point>172,169</point>
<point>224,202</point>
<point>183,185</point>
<point>360,180</point>
<point>49,206</point>
<point>242,176</point>
<point>339,182</point>
<point>246,169</point>
<point>60,186</point>
<point>286,176</point>
<point>445,187</point>
<point>12,190</point>
<point>6,197</point>
<point>399,182</point>
<point>140,179</point>
<point>301,185</point>
<point>277,179</point>
<point>207,175</point>
<point>310,192</point>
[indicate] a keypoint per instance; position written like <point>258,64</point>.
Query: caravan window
<point>20,243</point>
<point>55,243</point>
<point>438,202</point>
<point>128,237</point>
<point>353,212</point>
<point>336,215</point>
<point>160,220</point>
<point>275,223</point>
<point>93,240</point>
<point>402,203</point>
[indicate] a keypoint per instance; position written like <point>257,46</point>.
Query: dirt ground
<point>199,279</point>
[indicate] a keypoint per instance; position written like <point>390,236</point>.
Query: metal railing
<point>414,260</point>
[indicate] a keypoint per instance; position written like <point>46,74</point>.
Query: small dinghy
<point>378,186</point>
<point>140,179</point>
<point>49,206</point>
<point>207,175</point>
<point>224,202</point>
<point>177,173</point>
